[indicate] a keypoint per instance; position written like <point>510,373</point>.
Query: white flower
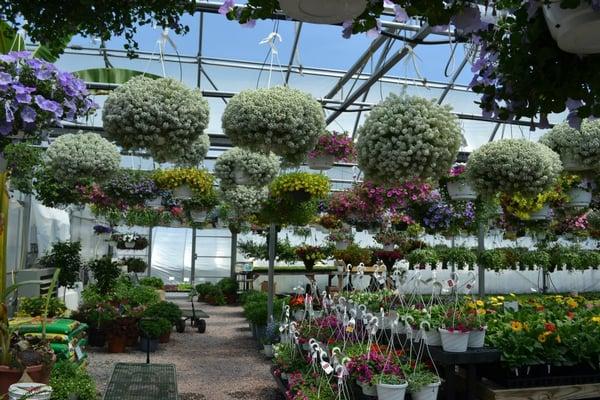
<point>260,169</point>
<point>408,137</point>
<point>195,154</point>
<point>581,145</point>
<point>81,155</point>
<point>245,200</point>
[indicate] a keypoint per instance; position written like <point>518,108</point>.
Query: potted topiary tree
<point>151,330</point>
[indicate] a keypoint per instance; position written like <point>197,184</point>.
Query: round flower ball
<point>260,169</point>
<point>82,155</point>
<point>513,166</point>
<point>244,200</point>
<point>578,149</point>
<point>408,137</point>
<point>285,121</point>
<point>160,115</point>
<point>196,154</point>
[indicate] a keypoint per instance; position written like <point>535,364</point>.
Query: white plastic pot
<point>575,30</point>
<point>461,190</point>
<point>29,391</point>
<point>391,392</point>
<point>342,245</point>
<point>321,163</point>
<point>454,341</point>
<point>428,392</point>
<point>542,214</point>
<point>129,245</point>
<point>268,349</point>
<point>323,12</point>
<point>154,203</point>
<point>579,198</point>
<point>432,337</point>
<point>368,390</point>
<point>477,338</point>
<point>241,177</point>
<point>572,164</point>
<point>198,216</point>
<point>388,247</point>
<point>183,192</point>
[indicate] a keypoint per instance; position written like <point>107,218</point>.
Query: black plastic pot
<point>96,337</point>
<point>180,326</point>
<point>145,342</point>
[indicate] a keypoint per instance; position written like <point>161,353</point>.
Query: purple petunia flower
<point>14,56</point>
<point>226,7</point>
<point>250,24</point>
<point>5,78</point>
<point>46,105</point>
<point>23,93</point>
<point>28,114</point>
<point>43,74</point>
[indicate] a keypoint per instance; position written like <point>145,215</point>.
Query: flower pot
<point>454,341</point>
<point>342,245</point>
<point>572,163</point>
<point>428,392</point>
<point>116,344</point>
<point>96,337</point>
<point>461,190</point>
<point>198,216</point>
<point>309,265</point>
<point>541,215</point>
<point>575,30</point>
<point>154,203</point>
<point>166,337</point>
<point>367,389</point>
<point>391,392</point>
<point>477,338</point>
<point>183,192</point>
<point>432,337</point>
<point>299,315</point>
<point>8,376</point>
<point>29,391</point>
<point>580,198</point>
<point>323,12</point>
<point>321,163</point>
<point>268,349</point>
<point>145,342</point>
<point>388,247</point>
<point>240,177</point>
<point>41,373</point>
<point>129,245</point>
<point>180,326</point>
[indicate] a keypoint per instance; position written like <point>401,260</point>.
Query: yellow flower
<point>542,338</point>
<point>572,303</point>
<point>480,303</point>
<point>471,304</point>
<point>526,327</point>
<point>596,319</point>
<point>516,326</point>
<point>481,311</point>
<point>501,298</point>
<point>557,338</point>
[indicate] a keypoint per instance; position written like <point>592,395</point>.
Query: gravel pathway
<point>221,364</point>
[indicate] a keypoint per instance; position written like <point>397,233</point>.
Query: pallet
<point>488,391</point>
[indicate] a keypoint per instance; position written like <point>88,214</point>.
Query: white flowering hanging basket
<point>427,392</point>
<point>575,30</point>
<point>454,341</point>
<point>182,192</point>
<point>241,177</point>
<point>477,338</point>
<point>323,12</point>
<point>541,215</point>
<point>391,392</point>
<point>579,198</point>
<point>321,162</point>
<point>198,215</point>
<point>461,190</point>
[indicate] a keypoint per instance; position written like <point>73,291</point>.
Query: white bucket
<point>576,30</point>
<point>428,392</point>
<point>182,192</point>
<point>461,190</point>
<point>321,163</point>
<point>391,392</point>
<point>198,216</point>
<point>29,391</point>
<point>455,341</point>
<point>432,337</point>
<point>541,215</point>
<point>342,245</point>
<point>477,338</point>
<point>323,12</point>
<point>579,198</point>
<point>388,247</point>
<point>154,203</point>
<point>368,390</point>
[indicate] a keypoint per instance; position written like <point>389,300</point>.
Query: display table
<point>468,360</point>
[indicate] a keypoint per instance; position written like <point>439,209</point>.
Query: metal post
<point>233,253</point>
<point>25,231</point>
<point>480,248</point>
<point>272,241</point>
<point>193,271</point>
<point>150,231</point>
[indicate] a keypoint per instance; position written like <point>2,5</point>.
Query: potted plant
<point>458,186</point>
<point>134,264</point>
<point>580,194</point>
<point>461,257</point>
<point>185,182</point>
<point>342,237</point>
<point>513,165</point>
<point>389,153</point>
<point>65,257</point>
<point>244,200</point>
<point>573,25</point>
<point>21,160</point>
<point>331,147</point>
<point>151,330</point>
<point>267,120</point>
<point>244,167</point>
<point>391,387</point>
<point>69,381</point>
<point>455,332</point>
<point>105,273</point>
<point>297,307</point>
<point>199,205</point>
<point>421,258</point>
<point>175,117</point>
<point>389,239</point>
<point>577,147</point>
<point>271,336</point>
<point>102,231</point>
<point>130,241</point>
<point>229,288</point>
<point>299,187</point>
<point>494,259</point>
<point>310,255</point>
<point>329,222</point>
<point>423,384</point>
<point>38,95</point>
<point>354,255</point>
<point>127,187</point>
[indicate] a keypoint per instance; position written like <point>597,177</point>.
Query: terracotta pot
<point>116,344</point>
<point>165,338</point>
<point>8,376</point>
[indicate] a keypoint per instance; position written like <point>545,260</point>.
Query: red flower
<point>550,327</point>
<point>570,314</point>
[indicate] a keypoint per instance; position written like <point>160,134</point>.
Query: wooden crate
<point>488,391</point>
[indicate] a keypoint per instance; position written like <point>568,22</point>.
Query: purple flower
<point>28,114</point>
<point>226,7</point>
<point>47,105</point>
<point>400,13</point>
<point>43,74</point>
<point>347,28</point>
<point>8,112</point>
<point>23,93</point>
<point>469,20</point>
<point>5,128</point>
<point>250,24</point>
<point>14,56</point>
<point>374,32</point>
<point>5,78</point>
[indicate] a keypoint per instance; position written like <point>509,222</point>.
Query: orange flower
<point>550,327</point>
<point>570,314</point>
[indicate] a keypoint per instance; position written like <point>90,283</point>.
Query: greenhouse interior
<point>327,200</point>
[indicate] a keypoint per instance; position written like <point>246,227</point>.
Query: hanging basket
<point>154,203</point>
<point>323,12</point>
<point>572,163</point>
<point>183,192</point>
<point>388,247</point>
<point>129,245</point>
<point>477,338</point>
<point>541,215</point>
<point>368,390</point>
<point>391,392</point>
<point>579,198</point>
<point>575,30</point>
<point>454,341</point>
<point>427,392</point>
<point>321,163</point>
<point>432,337</point>
<point>299,315</point>
<point>240,177</point>
<point>342,244</point>
<point>198,215</point>
<point>461,190</point>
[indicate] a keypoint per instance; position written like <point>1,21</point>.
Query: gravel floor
<point>221,364</point>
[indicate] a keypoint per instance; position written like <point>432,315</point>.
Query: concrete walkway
<point>221,364</point>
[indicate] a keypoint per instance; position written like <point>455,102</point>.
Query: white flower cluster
<point>408,137</point>
<point>513,165</point>
<point>195,154</point>
<point>581,145</point>
<point>82,155</point>
<point>245,200</point>
<point>285,121</point>
<point>260,168</point>
<point>160,115</point>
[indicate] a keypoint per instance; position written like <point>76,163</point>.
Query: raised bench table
<point>131,381</point>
